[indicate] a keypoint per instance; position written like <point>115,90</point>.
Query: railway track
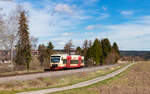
<point>31,76</point>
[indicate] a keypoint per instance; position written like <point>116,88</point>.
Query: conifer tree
<point>23,48</point>
<point>90,52</point>
<point>50,48</point>
<point>97,52</point>
<point>106,46</point>
<point>116,51</point>
<point>90,56</point>
<point>115,47</point>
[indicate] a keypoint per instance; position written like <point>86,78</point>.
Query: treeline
<point>99,52</point>
<point>96,53</point>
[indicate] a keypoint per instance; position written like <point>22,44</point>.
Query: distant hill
<point>141,54</point>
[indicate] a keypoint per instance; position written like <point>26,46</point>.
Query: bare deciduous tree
<point>85,48</point>
<point>12,30</point>
<point>33,41</point>
<point>2,31</point>
<point>69,47</point>
<point>8,34</point>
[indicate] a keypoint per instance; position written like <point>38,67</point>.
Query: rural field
<point>135,80</point>
<point>12,87</point>
<point>74,47</point>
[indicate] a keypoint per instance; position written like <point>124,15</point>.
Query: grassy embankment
<point>49,82</point>
<point>5,74</point>
<point>135,80</point>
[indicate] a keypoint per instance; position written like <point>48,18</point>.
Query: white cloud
<point>132,35</point>
<point>89,27</point>
<point>66,34</point>
<point>63,8</point>
<point>103,16</point>
<point>7,6</point>
<point>126,13</point>
<point>50,26</point>
<point>104,8</point>
<point>39,21</point>
<point>61,43</point>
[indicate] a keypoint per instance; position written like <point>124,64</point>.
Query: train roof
<point>65,55</point>
<point>59,55</point>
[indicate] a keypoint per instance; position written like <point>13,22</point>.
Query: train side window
<point>74,61</point>
<point>64,61</point>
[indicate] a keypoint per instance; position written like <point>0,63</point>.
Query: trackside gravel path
<point>81,84</point>
<point>52,73</point>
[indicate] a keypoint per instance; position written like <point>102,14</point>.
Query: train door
<point>68,61</point>
<point>79,61</point>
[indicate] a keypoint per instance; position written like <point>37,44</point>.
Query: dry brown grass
<point>35,66</point>
<point>136,80</point>
<point>54,81</point>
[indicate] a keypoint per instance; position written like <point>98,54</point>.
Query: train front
<point>55,62</point>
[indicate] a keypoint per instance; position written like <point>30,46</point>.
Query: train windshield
<point>55,59</point>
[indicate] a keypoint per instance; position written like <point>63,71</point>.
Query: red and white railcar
<point>60,61</point>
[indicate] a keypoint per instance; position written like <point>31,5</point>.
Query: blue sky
<point>125,21</point>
